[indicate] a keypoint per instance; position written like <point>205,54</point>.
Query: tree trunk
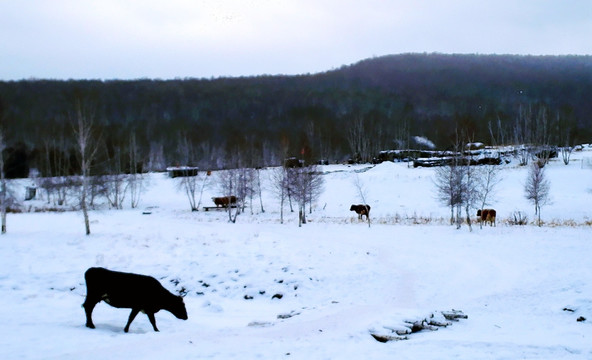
<point>468,217</point>
<point>2,182</point>
<point>451,214</point>
<point>3,200</point>
<point>290,200</point>
<point>259,188</point>
<point>83,205</point>
<point>282,210</point>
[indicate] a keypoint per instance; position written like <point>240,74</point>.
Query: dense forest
<point>348,113</point>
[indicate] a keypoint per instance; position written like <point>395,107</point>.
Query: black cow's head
<point>177,308</point>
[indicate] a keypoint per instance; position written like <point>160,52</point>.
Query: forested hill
<point>356,110</point>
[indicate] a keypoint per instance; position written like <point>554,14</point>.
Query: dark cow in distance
<point>224,201</point>
<point>132,291</point>
<point>361,210</point>
<point>487,215</point>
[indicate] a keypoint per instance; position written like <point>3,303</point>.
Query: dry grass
<point>414,219</point>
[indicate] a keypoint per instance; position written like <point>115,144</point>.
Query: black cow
<point>124,290</point>
<point>361,210</point>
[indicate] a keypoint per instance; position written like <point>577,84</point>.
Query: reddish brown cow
<point>224,201</point>
<point>361,210</point>
<point>487,215</point>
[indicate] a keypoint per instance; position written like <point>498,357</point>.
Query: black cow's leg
<point>152,320</point>
<point>131,318</point>
<point>89,305</point>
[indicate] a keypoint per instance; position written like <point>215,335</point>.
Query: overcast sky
<point>119,39</point>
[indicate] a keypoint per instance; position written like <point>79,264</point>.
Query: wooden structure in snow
<point>180,171</point>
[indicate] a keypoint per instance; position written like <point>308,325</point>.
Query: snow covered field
<point>340,280</point>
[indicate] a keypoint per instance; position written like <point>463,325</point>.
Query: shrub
<point>518,218</point>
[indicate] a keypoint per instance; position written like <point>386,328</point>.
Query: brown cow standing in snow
<point>487,215</point>
<point>361,210</point>
<point>224,201</point>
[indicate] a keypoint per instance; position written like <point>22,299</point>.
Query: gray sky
<point>119,39</point>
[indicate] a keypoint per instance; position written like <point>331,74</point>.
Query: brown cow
<point>224,201</point>
<point>361,210</point>
<point>487,215</point>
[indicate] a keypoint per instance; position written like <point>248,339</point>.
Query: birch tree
<point>3,197</point>
<point>362,194</point>
<point>488,178</point>
<point>448,180</point>
<point>116,182</point>
<point>468,189</point>
<point>305,184</point>
<point>136,179</point>
<point>537,187</point>
<point>279,181</point>
<point>229,183</point>
<point>82,119</point>
<point>188,184</point>
<point>358,139</point>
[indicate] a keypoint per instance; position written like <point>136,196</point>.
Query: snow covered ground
<point>340,280</point>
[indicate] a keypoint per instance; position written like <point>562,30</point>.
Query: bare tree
<point>245,179</point>
<point>279,181</point>
<point>136,179</point>
<point>3,189</point>
<point>248,187</point>
<point>488,178</point>
<point>468,189</point>
<point>229,183</point>
<point>284,178</point>
<point>542,133</point>
<point>499,136</point>
<point>297,189</point>
<point>237,180</point>
<point>448,191</point>
<point>566,153</point>
<point>188,183</point>
<point>362,194</point>
<point>204,182</point>
<point>522,134</point>
<point>358,139</point>
<point>565,140</point>
<point>455,185</point>
<point>115,184</point>
<point>258,188</point>
<point>537,187</point>
<point>532,132</point>
<point>83,118</point>
<point>305,184</point>
<point>56,181</point>
<point>315,186</point>
<point>98,187</point>
<point>156,160</point>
